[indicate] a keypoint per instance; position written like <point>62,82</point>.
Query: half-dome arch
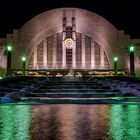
<point>93,29</point>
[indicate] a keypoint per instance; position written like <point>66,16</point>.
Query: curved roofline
<point>105,33</point>
<point>69,8</point>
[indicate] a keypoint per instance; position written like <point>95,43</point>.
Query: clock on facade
<point>69,43</point>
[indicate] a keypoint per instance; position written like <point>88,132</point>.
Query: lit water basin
<point>69,122</point>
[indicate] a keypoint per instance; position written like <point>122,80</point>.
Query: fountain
<point>71,77</point>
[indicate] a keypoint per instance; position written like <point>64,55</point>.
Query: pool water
<point>69,122</point>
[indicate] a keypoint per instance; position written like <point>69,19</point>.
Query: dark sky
<point>123,14</point>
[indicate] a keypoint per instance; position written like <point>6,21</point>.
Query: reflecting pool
<point>69,122</point>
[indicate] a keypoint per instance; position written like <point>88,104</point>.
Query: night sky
<point>124,14</point>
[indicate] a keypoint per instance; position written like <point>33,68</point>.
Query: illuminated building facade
<point>69,38</point>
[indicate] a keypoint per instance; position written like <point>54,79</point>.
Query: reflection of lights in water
<point>67,122</point>
<point>15,122</point>
<point>7,122</point>
<point>124,122</point>
<point>116,121</point>
<point>133,122</point>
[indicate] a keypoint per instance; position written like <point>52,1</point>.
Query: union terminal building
<point>69,38</point>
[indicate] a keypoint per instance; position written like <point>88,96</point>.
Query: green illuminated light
<point>115,59</point>
<point>1,78</point>
<point>9,48</point>
<point>23,58</point>
<point>131,48</point>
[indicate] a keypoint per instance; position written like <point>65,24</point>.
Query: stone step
<point>74,95</point>
<point>71,83</point>
<point>74,87</point>
<point>74,90</point>
<point>78,101</point>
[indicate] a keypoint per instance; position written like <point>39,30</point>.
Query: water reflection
<point>45,123</point>
<point>91,122</point>
<point>70,122</point>
<point>124,122</point>
<point>15,122</point>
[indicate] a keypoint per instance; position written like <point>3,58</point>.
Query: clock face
<point>68,43</point>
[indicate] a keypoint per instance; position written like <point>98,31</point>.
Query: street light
<point>131,48</point>
<point>23,64</point>
<point>23,59</point>
<point>116,66</point>
<point>132,62</point>
<point>1,77</point>
<point>9,48</point>
<point>115,59</point>
<point>9,60</point>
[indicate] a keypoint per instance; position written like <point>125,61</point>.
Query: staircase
<point>72,92</point>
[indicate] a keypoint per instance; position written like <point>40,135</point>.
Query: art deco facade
<point>69,38</point>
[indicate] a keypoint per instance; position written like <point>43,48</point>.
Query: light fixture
<point>131,48</point>
<point>115,59</point>
<point>9,48</point>
<point>23,58</point>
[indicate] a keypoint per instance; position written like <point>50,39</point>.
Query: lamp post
<point>116,66</point>
<point>23,65</point>
<point>9,61</point>
<point>1,78</point>
<point>132,63</point>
